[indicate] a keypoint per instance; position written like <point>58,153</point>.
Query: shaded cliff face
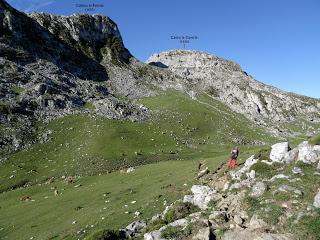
<point>95,36</point>
<point>225,80</point>
<point>52,66</point>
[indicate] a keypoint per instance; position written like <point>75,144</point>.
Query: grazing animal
<point>25,199</point>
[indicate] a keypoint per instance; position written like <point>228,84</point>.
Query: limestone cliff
<point>226,81</point>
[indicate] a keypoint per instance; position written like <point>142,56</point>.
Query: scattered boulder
<point>247,234</point>
<point>203,172</point>
<point>297,170</point>
<point>203,234</point>
<point>156,235</point>
<point>248,163</point>
<point>251,174</point>
<point>308,153</point>
<point>278,151</point>
<point>256,223</point>
<point>133,229</point>
<point>291,156</point>
<point>219,216</point>
<point>286,188</point>
<point>258,189</point>
<point>316,202</point>
<point>237,219</point>
<point>130,169</point>
<point>279,176</point>
<point>202,195</point>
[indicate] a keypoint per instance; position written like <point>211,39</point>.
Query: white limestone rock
<point>202,195</point>
<point>278,151</point>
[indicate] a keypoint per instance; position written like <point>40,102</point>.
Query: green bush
<point>315,140</point>
<point>180,210</point>
<point>105,234</point>
<point>155,225</point>
<point>89,105</point>
<point>172,232</point>
<point>263,154</point>
<point>265,170</point>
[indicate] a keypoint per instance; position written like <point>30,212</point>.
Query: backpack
<point>234,154</point>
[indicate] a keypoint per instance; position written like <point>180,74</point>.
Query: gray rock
<point>256,223</point>
<point>220,216</point>
<point>286,188</point>
<point>308,153</point>
<point>291,156</point>
<point>203,234</point>
<point>258,189</point>
<point>156,235</point>
<point>248,163</point>
<point>252,174</point>
<point>237,219</point>
<point>279,176</point>
<point>254,235</point>
<point>316,202</point>
<point>203,172</point>
<point>137,226</point>
<point>202,195</point>
<point>297,170</point>
<point>278,151</point>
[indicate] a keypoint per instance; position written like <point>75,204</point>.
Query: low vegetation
<point>315,140</point>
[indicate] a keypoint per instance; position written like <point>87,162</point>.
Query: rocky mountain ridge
<point>226,81</point>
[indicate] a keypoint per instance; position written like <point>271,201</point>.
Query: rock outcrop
<point>226,81</point>
<point>262,207</point>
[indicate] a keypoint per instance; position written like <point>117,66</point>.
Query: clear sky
<point>276,41</point>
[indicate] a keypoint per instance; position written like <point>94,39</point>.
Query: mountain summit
<point>226,81</point>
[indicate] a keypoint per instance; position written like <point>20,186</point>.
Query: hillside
<point>92,139</point>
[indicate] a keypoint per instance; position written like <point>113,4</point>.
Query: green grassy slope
<point>88,147</point>
<point>180,128</point>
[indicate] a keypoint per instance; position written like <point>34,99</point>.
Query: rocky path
<point>266,198</point>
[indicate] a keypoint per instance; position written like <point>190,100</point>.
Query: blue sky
<point>277,42</point>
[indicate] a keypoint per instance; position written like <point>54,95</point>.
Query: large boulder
<point>202,195</point>
<point>308,153</point>
<point>278,151</point>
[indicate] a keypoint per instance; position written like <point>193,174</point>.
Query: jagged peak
<point>81,27</point>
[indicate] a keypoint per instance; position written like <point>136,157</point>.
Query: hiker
<point>233,158</point>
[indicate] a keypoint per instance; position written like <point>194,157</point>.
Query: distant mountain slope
<point>226,81</point>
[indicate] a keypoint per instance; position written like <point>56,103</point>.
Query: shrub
<point>89,105</point>
<point>265,170</point>
<point>180,210</point>
<point>263,154</point>
<point>315,140</point>
<point>155,225</point>
<point>172,232</point>
<point>105,234</point>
